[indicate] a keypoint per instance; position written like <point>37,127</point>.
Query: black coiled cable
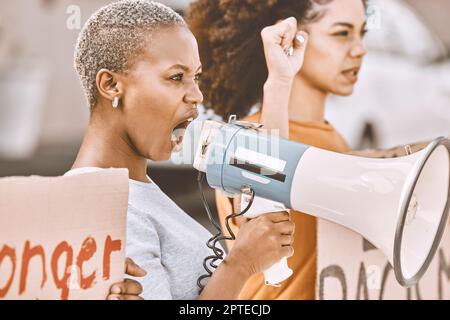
<point>213,242</point>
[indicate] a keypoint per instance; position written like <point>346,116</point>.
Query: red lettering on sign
<point>27,254</point>
<point>88,249</point>
<point>61,278</point>
<point>62,283</point>
<point>110,246</point>
<point>11,253</point>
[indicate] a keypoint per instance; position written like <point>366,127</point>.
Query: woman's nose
<point>193,95</point>
<point>359,49</point>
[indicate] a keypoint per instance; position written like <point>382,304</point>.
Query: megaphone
<point>400,205</point>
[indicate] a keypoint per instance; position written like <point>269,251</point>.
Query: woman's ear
<point>109,84</point>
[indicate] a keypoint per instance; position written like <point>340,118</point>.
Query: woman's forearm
<point>226,282</point>
<point>389,153</point>
<point>274,113</point>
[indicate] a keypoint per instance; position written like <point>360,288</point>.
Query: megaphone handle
<point>277,273</point>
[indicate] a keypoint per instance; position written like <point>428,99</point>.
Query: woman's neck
<point>307,103</point>
<point>105,146</point>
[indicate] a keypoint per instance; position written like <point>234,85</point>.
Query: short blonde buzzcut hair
<point>114,36</point>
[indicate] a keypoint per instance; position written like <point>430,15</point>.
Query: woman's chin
<point>163,154</point>
<point>162,157</point>
<point>344,91</point>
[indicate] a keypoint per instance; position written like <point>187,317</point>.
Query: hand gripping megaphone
<point>400,205</point>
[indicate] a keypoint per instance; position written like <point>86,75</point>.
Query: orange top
<point>301,285</point>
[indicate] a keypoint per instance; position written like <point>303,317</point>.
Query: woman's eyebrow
<point>183,67</point>
<point>349,25</point>
<point>344,24</point>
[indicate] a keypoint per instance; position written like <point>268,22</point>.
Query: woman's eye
<point>364,33</point>
<point>198,76</point>
<point>177,77</point>
<point>342,34</point>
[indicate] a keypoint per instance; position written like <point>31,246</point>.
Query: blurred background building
<point>403,94</point>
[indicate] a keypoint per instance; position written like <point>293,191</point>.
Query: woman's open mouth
<point>178,134</point>
<point>351,74</point>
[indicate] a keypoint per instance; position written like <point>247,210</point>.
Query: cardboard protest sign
<point>63,237</point>
<point>349,267</point>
